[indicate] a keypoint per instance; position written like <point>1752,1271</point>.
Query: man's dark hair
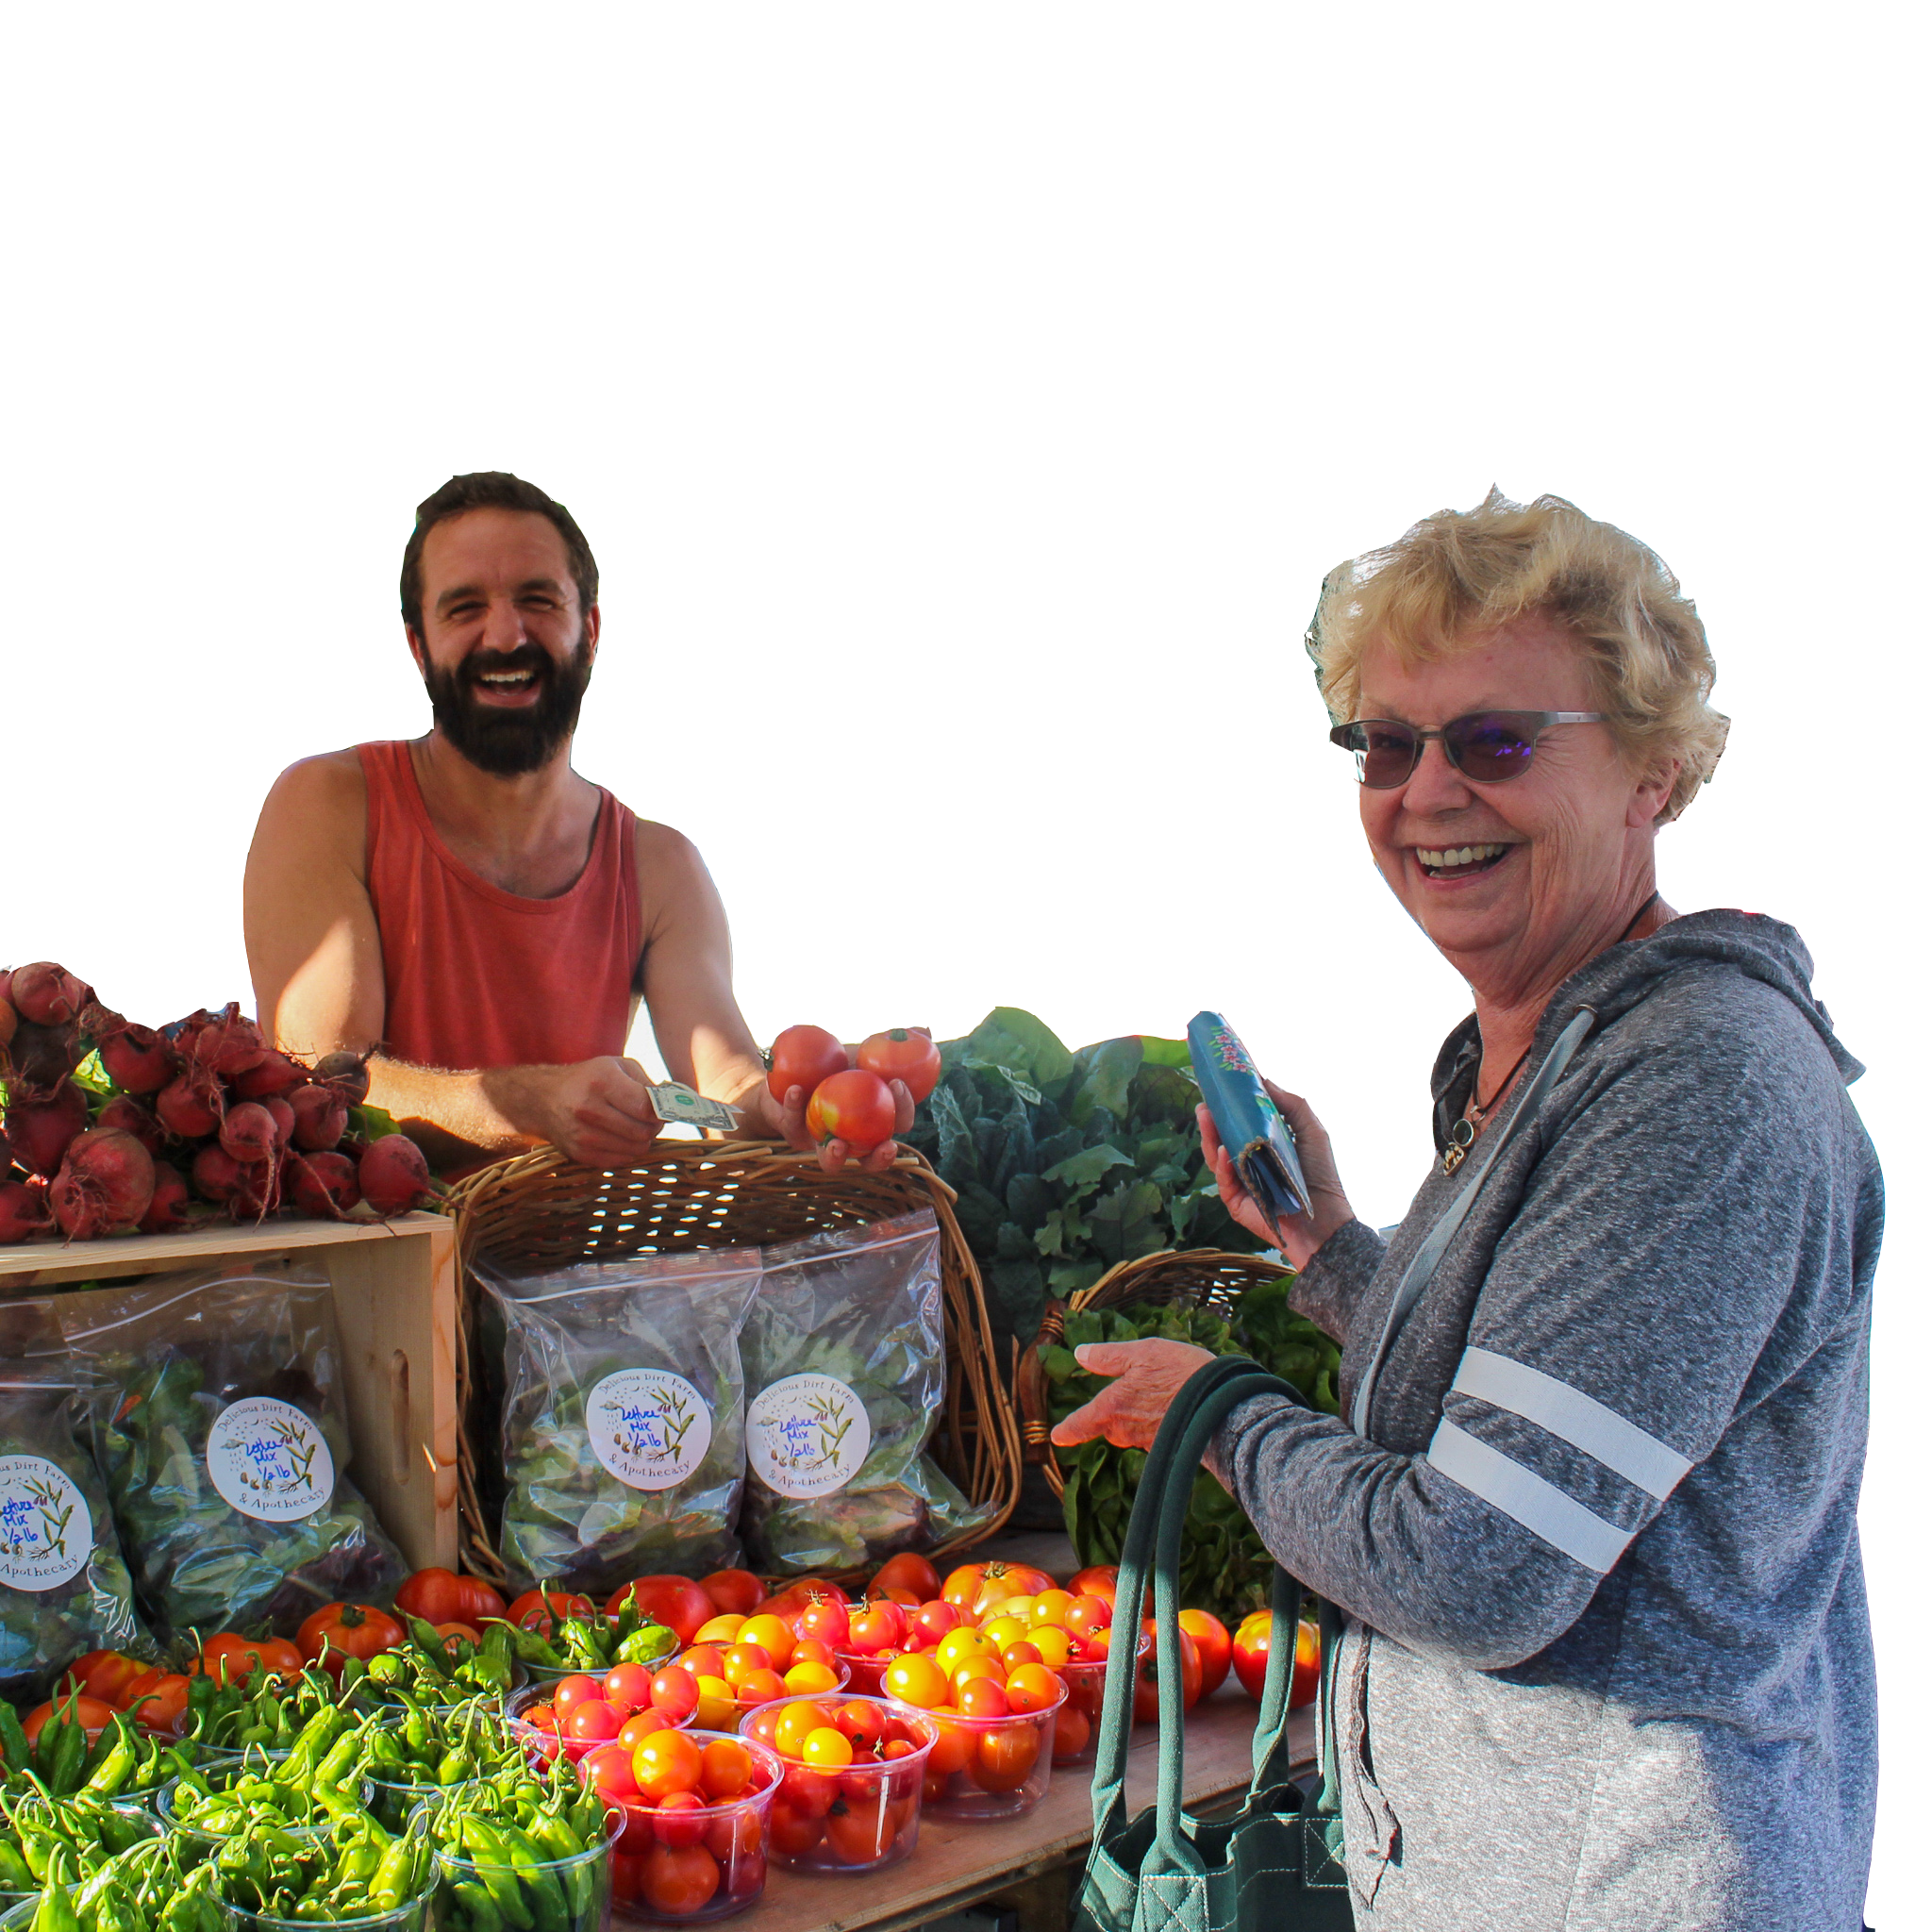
<point>491,489</point>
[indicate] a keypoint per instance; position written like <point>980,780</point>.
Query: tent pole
<point>794,574</point>
<point>1351,1003</point>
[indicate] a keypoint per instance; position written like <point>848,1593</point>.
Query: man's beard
<point>506,744</point>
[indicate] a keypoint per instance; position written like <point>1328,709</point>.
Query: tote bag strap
<point>1423,1264</point>
<point>1154,1536</point>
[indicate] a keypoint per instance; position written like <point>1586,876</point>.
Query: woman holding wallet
<point>1590,1505</point>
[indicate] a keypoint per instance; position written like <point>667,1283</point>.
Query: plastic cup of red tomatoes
<point>623,1705</point>
<point>988,1767</point>
<point>849,1805</point>
<point>1077,1730</point>
<point>692,1810</point>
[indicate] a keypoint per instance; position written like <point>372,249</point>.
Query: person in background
<point>1795,897</point>
<point>1591,1505</point>
<point>471,908</point>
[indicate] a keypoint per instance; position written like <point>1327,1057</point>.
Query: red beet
<point>248,1132</point>
<point>322,1185</point>
<point>189,1106</point>
<point>47,994</point>
<point>320,1118</point>
<point>276,1075</point>
<point>168,1210</point>
<point>40,1128</point>
<point>45,1055</point>
<point>216,1173</point>
<point>130,1117</point>
<point>136,1058</point>
<point>8,1021</point>
<point>394,1175</point>
<point>23,1214</point>
<point>103,1186</point>
<point>224,1042</point>
<point>283,1115</point>
<point>348,1072</point>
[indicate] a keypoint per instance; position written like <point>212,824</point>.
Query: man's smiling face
<point>507,646</point>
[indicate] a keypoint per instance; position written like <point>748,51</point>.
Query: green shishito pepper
<point>523,1854</point>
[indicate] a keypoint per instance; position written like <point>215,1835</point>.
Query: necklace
<point>1462,1135</point>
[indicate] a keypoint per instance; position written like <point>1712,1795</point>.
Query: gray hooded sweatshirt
<point>1608,1663</point>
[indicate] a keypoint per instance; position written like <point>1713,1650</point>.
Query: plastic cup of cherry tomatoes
<point>692,1810</point>
<point>854,1770</point>
<point>994,1754</point>
<point>625,1705</point>
<point>734,1679</point>
<point>1077,1730</point>
<point>1069,1633</point>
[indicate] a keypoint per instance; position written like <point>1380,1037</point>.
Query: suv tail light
<point>1171,1022</point>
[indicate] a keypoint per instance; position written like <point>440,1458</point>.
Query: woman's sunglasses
<point>1487,747</point>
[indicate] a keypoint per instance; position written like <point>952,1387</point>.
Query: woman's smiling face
<point>1560,855</point>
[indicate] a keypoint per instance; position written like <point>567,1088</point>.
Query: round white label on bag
<point>270,1461</point>
<point>648,1428</point>
<point>807,1436</point>
<point>46,1532</point>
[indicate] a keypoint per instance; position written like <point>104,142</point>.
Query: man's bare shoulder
<point>319,801</point>
<point>673,879</point>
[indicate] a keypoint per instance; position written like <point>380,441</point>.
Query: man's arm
<point>315,957</point>
<point>694,1015</point>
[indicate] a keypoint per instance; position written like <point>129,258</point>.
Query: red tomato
<point>906,1053</point>
<point>89,1713</point>
<point>441,1596</point>
<point>453,1634</point>
<point>1250,1659</point>
<point>609,1767</point>
<point>934,1619</point>
<point>797,1597</point>
<point>1102,1580</point>
<point>338,1631</point>
<point>676,1602</point>
<point>1216,1647</point>
<point>678,1880</point>
<point>573,1691</point>
<point>679,1820</point>
<point>859,1833</point>
<point>627,1687</point>
<point>156,1698</point>
<point>830,1622</point>
<point>974,1588</point>
<point>981,1697</point>
<point>909,1571</point>
<point>795,1832</point>
<point>879,1626</point>
<point>1147,1678</point>
<point>542,1612</point>
<point>1086,1615</point>
<point>638,1726</point>
<point>1004,1758</point>
<point>592,1722</point>
<point>736,1592</point>
<point>626,1877</point>
<point>102,1674</point>
<point>804,1057</point>
<point>856,1107</point>
<point>674,1692</point>
<point>232,1659</point>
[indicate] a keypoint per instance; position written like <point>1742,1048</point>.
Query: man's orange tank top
<point>480,977</point>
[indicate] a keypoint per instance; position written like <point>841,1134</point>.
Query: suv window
<point>742,859</point>
<point>1276,879</point>
<point>964,893</point>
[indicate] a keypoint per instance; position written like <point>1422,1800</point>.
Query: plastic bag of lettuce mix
<point>64,1590</point>
<point>623,1416</point>
<point>845,1368</point>
<point>219,1427</point>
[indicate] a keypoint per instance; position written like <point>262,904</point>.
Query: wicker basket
<point>1200,1277</point>
<point>540,1210</point>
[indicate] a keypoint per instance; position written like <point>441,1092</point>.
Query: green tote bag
<point>1277,1863</point>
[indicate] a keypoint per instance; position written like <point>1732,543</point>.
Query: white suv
<point>1105,897</point>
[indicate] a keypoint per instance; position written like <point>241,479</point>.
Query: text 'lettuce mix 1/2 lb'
<point>845,1369</point>
<point>64,1590</point>
<point>623,1416</point>
<point>219,1427</point>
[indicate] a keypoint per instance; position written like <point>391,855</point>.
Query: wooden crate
<point>396,1300</point>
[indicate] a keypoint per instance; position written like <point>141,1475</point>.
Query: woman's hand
<point>785,1120</point>
<point>1300,1236</point>
<point>1129,1412</point>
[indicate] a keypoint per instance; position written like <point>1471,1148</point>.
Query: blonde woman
<point>1591,1502</point>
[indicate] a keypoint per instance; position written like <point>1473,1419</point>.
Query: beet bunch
<point>182,1122</point>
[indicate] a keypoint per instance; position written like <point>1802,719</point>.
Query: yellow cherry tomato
<point>811,1678</point>
<point>1021,1607</point>
<point>770,1634</point>
<point>959,1643</point>
<point>969,1668</point>
<point>717,1706</point>
<point>1052,1644</point>
<point>1051,1606</point>
<point>719,1631</point>
<point>827,1749</point>
<point>1005,1630</point>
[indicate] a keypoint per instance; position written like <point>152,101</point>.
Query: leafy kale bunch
<point>1224,1566</point>
<point>1066,1163</point>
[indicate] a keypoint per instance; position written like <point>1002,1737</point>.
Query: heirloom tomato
<point>441,1596</point>
<point>676,1602</point>
<point>905,1053</point>
<point>855,1107</point>
<point>338,1631</point>
<point>1147,1678</point>
<point>1250,1659</point>
<point>975,1587</point>
<point>1216,1647</point>
<point>804,1057</point>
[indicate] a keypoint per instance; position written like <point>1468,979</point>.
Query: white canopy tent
<point>1790,576</point>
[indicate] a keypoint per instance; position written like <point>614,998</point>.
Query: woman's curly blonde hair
<point>1462,572</point>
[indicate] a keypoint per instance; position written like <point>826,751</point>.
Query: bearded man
<point>474,912</point>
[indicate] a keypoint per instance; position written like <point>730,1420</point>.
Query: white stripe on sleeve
<point>1520,1494</point>
<point>1575,1418</point>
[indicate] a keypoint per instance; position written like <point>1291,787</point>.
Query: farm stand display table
<point>394,1286</point>
<point>956,1862</point>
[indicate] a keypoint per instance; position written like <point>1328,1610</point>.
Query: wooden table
<point>956,1863</point>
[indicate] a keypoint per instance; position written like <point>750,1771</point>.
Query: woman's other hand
<point>1128,1411</point>
<point>1300,1236</point>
